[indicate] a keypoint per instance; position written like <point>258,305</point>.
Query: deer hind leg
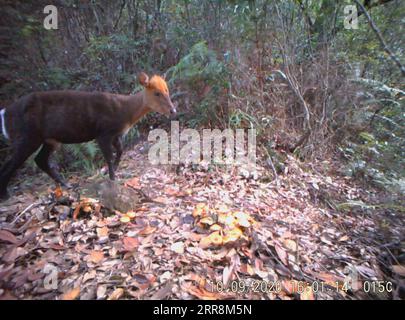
<point>117,143</point>
<point>22,149</point>
<point>43,162</point>
<point>105,144</point>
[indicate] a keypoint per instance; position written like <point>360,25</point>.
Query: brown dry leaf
<point>201,293</point>
<point>399,269</point>
<point>162,200</point>
<point>133,183</point>
<point>96,256</point>
<point>58,192</point>
<point>87,208</point>
<point>57,246</point>
<point>116,294</point>
<point>130,244</point>
<point>163,292</point>
<point>173,192</point>
<point>195,236</point>
<point>12,254</point>
<point>102,232</point>
<point>201,210</point>
<point>147,230</point>
<point>343,238</point>
<point>71,294</point>
<point>282,254</point>
<point>207,221</point>
<point>77,211</point>
<point>7,236</point>
<point>290,244</point>
<point>143,281</point>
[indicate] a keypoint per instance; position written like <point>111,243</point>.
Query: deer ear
<point>143,79</point>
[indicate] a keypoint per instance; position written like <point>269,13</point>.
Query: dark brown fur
<point>55,117</point>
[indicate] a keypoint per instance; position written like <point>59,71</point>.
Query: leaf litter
<point>195,234</point>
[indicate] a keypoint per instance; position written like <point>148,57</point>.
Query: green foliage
<point>56,78</point>
<point>378,152</point>
<point>85,156</point>
<point>198,69</point>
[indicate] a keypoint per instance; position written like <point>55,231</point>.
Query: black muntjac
<point>51,118</point>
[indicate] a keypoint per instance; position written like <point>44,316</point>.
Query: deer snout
<point>173,110</point>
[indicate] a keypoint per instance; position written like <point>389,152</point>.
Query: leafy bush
<point>377,152</point>
<point>205,78</point>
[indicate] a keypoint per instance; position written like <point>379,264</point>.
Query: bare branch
<point>380,38</point>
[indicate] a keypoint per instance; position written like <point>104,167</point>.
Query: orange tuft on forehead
<point>158,83</point>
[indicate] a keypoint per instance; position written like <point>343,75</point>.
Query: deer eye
<point>157,94</point>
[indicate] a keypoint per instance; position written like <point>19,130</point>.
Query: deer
<point>50,118</point>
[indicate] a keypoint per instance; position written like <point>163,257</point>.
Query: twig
<point>24,211</point>
<point>380,38</point>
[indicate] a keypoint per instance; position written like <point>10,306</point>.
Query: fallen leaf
<point>71,295</point>
<point>147,230</point>
<point>77,211</point>
<point>96,256</point>
<point>58,192</point>
<point>207,221</point>
<point>163,292</point>
<point>102,232</point>
<point>7,236</point>
<point>116,294</point>
<point>101,290</point>
<point>177,247</point>
<point>213,239</point>
<point>227,220</point>
<point>227,274</point>
<point>242,219</point>
<point>130,244</point>
<point>131,214</point>
<point>282,254</point>
<point>125,219</point>
<point>200,210</point>
<point>233,235</point>
<point>398,269</point>
<point>290,244</point>
<point>215,227</point>
<point>343,238</point>
<point>133,183</point>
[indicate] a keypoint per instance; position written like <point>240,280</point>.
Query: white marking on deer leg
<point>3,123</point>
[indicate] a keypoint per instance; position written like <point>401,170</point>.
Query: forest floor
<point>165,232</point>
